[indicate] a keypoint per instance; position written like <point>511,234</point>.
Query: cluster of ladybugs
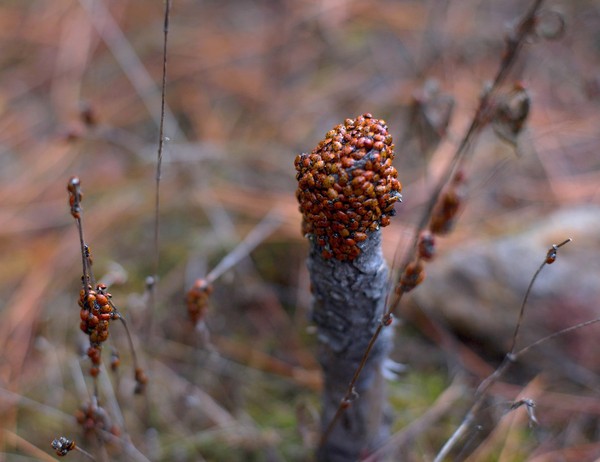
<point>445,212</point>
<point>443,219</point>
<point>347,186</point>
<point>93,417</point>
<point>197,300</point>
<point>97,309</point>
<point>63,445</point>
<point>75,196</point>
<point>96,312</point>
<point>508,114</point>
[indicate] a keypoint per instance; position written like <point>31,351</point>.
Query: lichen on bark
<point>349,300</point>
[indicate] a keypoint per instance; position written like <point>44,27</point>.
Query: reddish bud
<point>426,246</point>
<point>413,275</point>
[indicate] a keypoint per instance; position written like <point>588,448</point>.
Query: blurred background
<point>250,85</point>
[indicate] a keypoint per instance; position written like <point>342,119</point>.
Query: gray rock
<point>477,288</point>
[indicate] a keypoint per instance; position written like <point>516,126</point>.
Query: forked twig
<point>161,139</point>
<point>510,358</point>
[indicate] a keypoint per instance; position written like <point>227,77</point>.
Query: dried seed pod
<point>345,183</point>
<point>511,112</point>
<point>430,114</point>
<point>549,24</point>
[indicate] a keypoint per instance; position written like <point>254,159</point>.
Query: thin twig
<point>161,140</point>
<point>75,195</point>
<point>258,234</point>
<point>85,453</point>
<point>522,310</point>
<point>490,380</point>
<point>510,358</point>
<point>564,331</point>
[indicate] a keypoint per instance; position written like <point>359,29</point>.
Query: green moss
<point>273,408</point>
<point>411,396</point>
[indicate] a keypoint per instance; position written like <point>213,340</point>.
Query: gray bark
<point>349,300</point>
